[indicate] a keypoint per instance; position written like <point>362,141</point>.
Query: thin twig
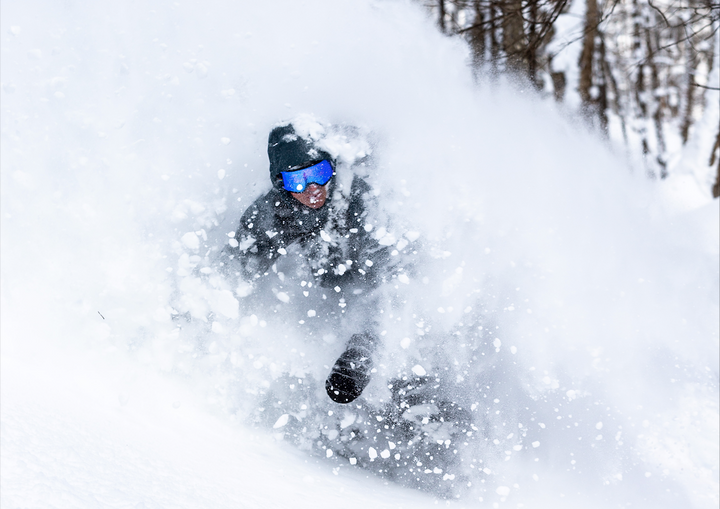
<point>661,13</point>
<point>687,37</point>
<point>705,87</point>
<point>585,31</point>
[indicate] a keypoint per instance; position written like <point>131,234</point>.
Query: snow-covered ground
<point>574,305</point>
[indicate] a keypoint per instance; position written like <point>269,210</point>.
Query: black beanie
<point>287,150</point>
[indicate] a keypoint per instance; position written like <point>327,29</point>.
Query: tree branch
<point>660,12</point>
<point>705,87</point>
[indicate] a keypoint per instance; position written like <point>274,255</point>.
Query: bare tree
<point>642,64</point>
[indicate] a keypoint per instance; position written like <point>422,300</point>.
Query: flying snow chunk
<point>385,454</point>
<point>387,240</point>
<point>282,421</point>
<point>404,279</point>
<point>347,420</point>
<point>225,304</point>
<point>283,297</point>
<point>306,125</point>
<point>225,141</point>
<point>244,289</point>
<point>405,343</point>
<point>325,236</point>
<point>191,241</point>
<point>419,370</point>
<point>372,453</point>
<point>503,491</point>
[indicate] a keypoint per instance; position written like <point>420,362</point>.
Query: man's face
<point>313,196</point>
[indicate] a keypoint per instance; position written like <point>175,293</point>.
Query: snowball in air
<point>419,370</point>
<point>282,421</point>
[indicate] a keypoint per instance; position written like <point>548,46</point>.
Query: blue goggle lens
<point>296,181</point>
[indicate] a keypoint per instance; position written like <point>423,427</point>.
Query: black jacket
<point>335,241</point>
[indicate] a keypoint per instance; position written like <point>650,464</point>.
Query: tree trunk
<point>513,35</point>
<point>532,63</point>
<point>601,103</point>
<point>692,62</point>
<point>477,37</point>
<point>494,39</point>
<point>559,83</point>
<point>617,105</point>
<point>441,15</point>
<point>716,148</point>
<point>586,57</point>
<point>661,156</point>
<point>640,95</point>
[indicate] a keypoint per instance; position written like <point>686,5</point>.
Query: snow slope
<point>575,307</point>
<point>92,432</point>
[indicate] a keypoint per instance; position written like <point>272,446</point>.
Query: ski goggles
<point>296,181</point>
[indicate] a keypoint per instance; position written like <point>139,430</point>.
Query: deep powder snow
<point>558,321</point>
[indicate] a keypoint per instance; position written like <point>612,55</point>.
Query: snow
<point>135,375</point>
<point>70,438</point>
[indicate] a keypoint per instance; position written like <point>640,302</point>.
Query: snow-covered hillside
<point>568,305</point>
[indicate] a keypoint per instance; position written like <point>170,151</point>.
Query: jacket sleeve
<point>369,261</point>
<point>257,244</point>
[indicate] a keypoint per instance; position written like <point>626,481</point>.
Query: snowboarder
<point>323,222</point>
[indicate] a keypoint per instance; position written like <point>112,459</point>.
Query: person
<point>316,219</point>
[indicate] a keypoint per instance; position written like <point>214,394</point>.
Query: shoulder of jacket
<point>359,186</point>
<point>258,211</point>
